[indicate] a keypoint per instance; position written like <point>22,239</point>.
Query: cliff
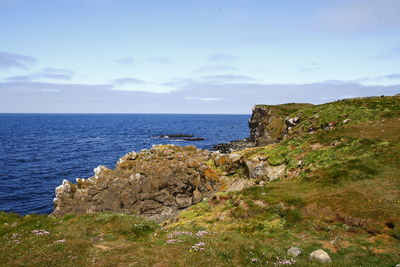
<point>269,124</point>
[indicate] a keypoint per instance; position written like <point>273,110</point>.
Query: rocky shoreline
<point>161,181</point>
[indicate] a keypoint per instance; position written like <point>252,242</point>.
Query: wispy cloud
<point>204,98</point>
<point>384,78</point>
<point>393,54</point>
<point>45,86</point>
<point>127,80</point>
<point>227,78</point>
<point>11,60</point>
<point>222,57</point>
<point>159,60</point>
<point>151,60</point>
<point>125,61</point>
<point>58,71</point>
<point>45,74</point>
<point>178,82</point>
<point>215,68</point>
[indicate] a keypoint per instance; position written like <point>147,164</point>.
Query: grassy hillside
<point>341,193</point>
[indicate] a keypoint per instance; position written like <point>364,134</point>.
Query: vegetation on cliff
<point>340,192</point>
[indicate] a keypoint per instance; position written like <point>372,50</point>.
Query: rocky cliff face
<point>270,124</point>
<point>156,183</point>
<point>267,125</point>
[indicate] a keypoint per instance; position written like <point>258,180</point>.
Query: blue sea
<point>38,151</point>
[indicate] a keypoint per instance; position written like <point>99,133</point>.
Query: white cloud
<point>222,57</point>
<point>215,68</point>
<point>204,98</point>
<point>227,78</point>
<point>127,80</point>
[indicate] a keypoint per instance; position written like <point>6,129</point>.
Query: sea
<point>38,151</point>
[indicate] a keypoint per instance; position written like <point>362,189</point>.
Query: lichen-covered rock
<point>230,163</point>
<point>261,170</point>
<point>156,183</point>
<point>294,252</point>
<point>320,256</point>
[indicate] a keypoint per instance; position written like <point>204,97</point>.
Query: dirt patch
<point>103,247</point>
<point>316,146</point>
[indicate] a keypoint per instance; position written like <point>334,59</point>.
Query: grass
<point>341,193</point>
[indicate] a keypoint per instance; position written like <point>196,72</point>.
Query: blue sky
<point>193,56</point>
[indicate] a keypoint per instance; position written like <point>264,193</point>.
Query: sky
<point>193,56</point>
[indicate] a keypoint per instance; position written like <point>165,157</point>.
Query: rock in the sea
<point>175,136</point>
<point>320,256</point>
<point>294,252</point>
<point>156,183</point>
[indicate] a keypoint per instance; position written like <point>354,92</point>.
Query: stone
<point>320,256</point>
<point>229,163</point>
<point>294,252</point>
<point>239,184</point>
<point>99,170</point>
<point>197,196</point>
<point>292,122</point>
<point>156,183</point>
<point>262,170</point>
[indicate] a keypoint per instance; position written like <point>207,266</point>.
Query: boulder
<point>294,252</point>
<point>320,256</point>
<point>229,163</point>
<point>260,169</point>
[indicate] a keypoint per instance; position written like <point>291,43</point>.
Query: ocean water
<point>38,151</point>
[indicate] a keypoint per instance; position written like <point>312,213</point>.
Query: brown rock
<point>156,183</point>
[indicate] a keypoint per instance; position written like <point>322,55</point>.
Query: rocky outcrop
<point>256,169</point>
<point>157,183</point>
<point>267,125</point>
